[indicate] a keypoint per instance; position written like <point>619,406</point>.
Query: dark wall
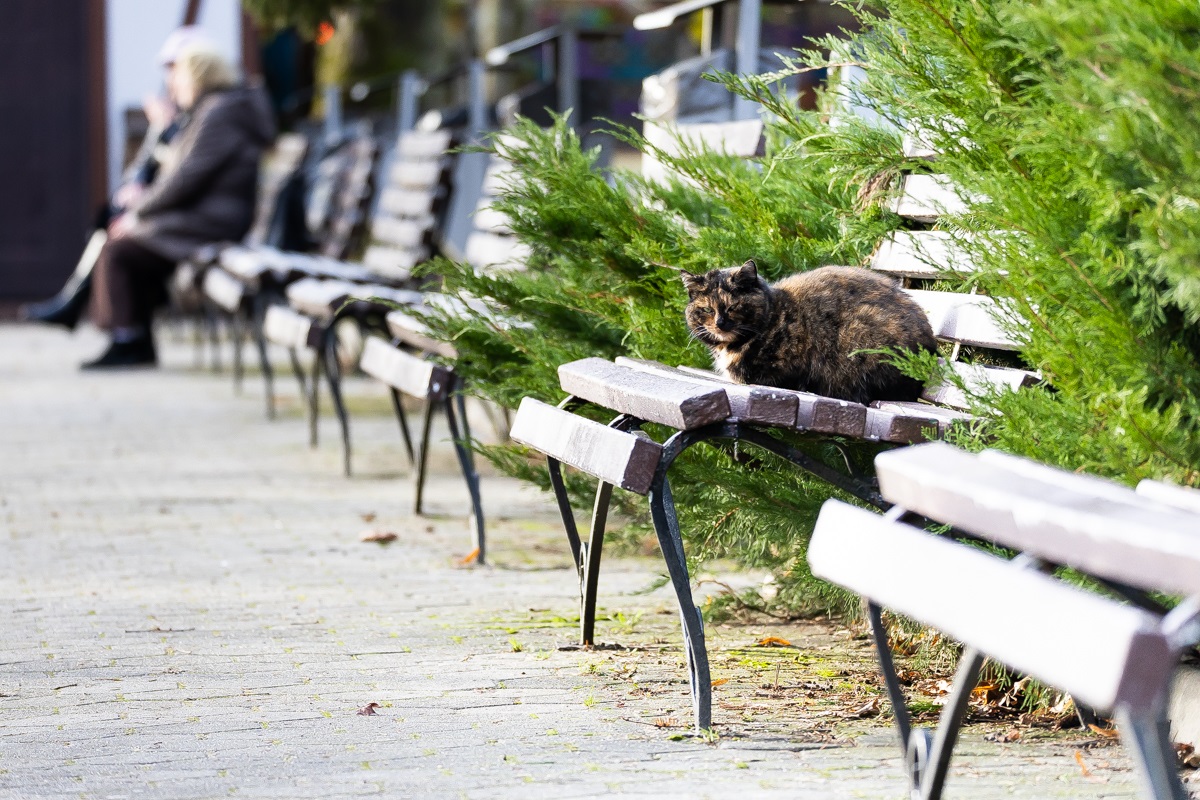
<point>51,138</point>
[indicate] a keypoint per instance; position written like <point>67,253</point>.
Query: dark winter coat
<point>205,191</point>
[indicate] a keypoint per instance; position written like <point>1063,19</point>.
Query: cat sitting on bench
<point>815,331</point>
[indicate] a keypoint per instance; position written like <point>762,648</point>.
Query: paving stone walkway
<point>189,613</point>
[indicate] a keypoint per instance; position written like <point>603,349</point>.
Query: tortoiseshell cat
<point>804,332</point>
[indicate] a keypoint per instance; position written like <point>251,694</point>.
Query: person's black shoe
<point>137,353</point>
<point>65,308</point>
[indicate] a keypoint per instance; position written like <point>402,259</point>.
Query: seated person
<point>204,193</point>
<point>66,307</point>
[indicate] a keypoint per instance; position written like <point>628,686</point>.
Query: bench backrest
<point>279,167</point>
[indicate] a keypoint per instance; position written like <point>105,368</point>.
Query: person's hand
<point>159,111</point>
<point>121,226</point>
<point>128,194</point>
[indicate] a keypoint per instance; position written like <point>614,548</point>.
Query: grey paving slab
<point>189,614</point>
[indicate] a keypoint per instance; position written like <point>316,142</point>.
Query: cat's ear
<point>693,283</point>
<point>746,275</point>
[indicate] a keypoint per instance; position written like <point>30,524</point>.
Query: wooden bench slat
<point>415,333</point>
<point>406,234</point>
<point>490,220</point>
<point>407,202</point>
<point>417,145</point>
<point>969,319</point>
<point>1103,653</point>
<point>622,459</point>
<point>761,405</point>
<point>977,378</point>
<point>415,174</point>
<point>670,401</point>
<point>901,426</point>
<point>813,412</point>
<point>224,289</point>
<point>1096,526</point>
<point>286,327</point>
<point>486,250</point>
<point>317,297</point>
<point>392,262</point>
<point>1181,497</point>
<point>921,254</point>
<point>926,197</point>
<point>411,375</point>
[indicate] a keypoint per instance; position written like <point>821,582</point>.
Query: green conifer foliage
<point>1072,128</point>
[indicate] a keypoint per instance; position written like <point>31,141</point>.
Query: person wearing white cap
<point>66,307</point>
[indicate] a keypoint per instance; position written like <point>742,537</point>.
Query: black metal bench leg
<point>314,394</point>
<point>589,579</point>
<point>1148,737</point>
<point>423,455</point>
<point>461,436</point>
<point>333,374</point>
<point>402,420</point>
<point>887,666</point>
<point>213,326</point>
<point>264,359</point>
<point>935,762</point>
<point>666,526</point>
<point>238,334</point>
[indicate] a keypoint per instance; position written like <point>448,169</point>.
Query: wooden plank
<point>415,377</point>
<point>248,263</point>
<point>406,234</point>
<point>1182,497</point>
<point>915,146</point>
<point>946,418</point>
<point>813,412</point>
<point>742,139</point>
<point>970,319</point>
<point>922,254</point>
<point>286,327</point>
<point>497,178</point>
<point>224,289</point>
<point>926,197</point>
<point>415,333</point>
<point>978,379</point>
<point>392,262</point>
<point>407,202</point>
<point>1096,526</point>
<point>622,459</point>
<point>491,251</point>
<point>1102,652</point>
<point>761,405</point>
<point>386,295</point>
<point>423,145</point>
<point>415,174</point>
<point>670,401</point>
<point>318,298</point>
<point>902,426</point>
<point>490,220</point>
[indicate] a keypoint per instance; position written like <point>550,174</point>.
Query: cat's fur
<point>806,331</point>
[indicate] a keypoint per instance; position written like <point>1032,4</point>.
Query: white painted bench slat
<point>762,405</point>
<point>412,331</point>
<point>921,254</point>
<point>413,376</point>
<point>926,197</point>
<point>1102,652</point>
<point>224,289</point>
<point>970,319</point>
<point>1096,526</point>
<point>283,326</point>
<point>620,458</point>
<point>678,403</point>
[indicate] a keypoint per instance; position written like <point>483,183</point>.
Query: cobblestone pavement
<point>189,613</point>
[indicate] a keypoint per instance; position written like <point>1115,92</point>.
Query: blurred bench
<point>1115,653</point>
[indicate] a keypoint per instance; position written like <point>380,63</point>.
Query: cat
<point>807,331</point>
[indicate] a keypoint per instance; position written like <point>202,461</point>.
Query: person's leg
<point>129,282</point>
<point>66,307</point>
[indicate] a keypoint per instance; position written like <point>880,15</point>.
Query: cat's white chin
<point>721,361</point>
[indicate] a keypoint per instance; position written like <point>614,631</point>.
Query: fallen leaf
<point>665,722</point>
<point>1087,773</point>
<point>469,558</point>
<point>720,682</point>
<point>1013,735</point>
<point>368,517</point>
<point>368,710</point>
<point>1107,733</point>
<point>870,709</point>
<point>382,537</point>
<point>773,641</point>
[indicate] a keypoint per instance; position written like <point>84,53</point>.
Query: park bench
<point>1114,653</point>
<point>700,406</point>
<point>248,278</point>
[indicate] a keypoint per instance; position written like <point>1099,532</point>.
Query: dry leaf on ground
<point>368,710</point>
<point>773,641</point>
<point>1004,737</point>
<point>870,709</point>
<point>368,517</point>
<point>720,682</point>
<point>382,537</point>
<point>1107,733</point>
<point>469,558</point>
